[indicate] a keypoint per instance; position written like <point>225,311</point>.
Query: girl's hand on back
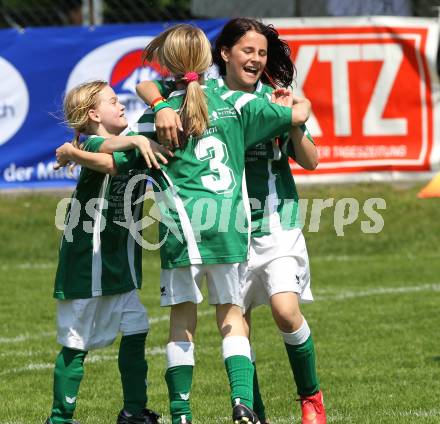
<point>151,151</point>
<point>302,108</point>
<point>282,96</point>
<point>168,124</point>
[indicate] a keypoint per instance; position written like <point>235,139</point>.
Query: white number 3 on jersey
<point>222,178</point>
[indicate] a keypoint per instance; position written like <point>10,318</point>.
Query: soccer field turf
<point>375,320</point>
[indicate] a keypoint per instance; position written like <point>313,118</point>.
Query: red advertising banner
<point>373,84</point>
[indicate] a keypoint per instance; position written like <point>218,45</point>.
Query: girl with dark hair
<point>252,58</point>
<point>279,70</point>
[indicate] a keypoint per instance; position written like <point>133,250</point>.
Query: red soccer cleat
<point>312,409</point>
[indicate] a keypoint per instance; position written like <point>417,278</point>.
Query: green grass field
<point>375,321</point>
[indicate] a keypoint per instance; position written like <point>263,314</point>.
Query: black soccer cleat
<point>241,414</point>
<point>146,416</point>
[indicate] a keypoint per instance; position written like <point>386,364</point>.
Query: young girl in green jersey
<point>99,268</point>
<point>207,169</point>
<point>252,58</point>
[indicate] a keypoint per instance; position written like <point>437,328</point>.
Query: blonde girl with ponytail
<point>208,169</point>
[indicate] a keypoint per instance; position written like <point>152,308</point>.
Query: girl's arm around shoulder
<point>99,162</point>
<point>306,153</point>
<point>119,143</point>
<point>167,121</point>
<point>149,149</point>
<point>104,160</point>
<point>301,110</point>
<point>150,90</point>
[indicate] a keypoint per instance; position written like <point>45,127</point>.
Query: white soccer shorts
<point>86,324</point>
<point>182,284</point>
<point>277,263</point>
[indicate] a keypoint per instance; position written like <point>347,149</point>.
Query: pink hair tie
<point>190,77</point>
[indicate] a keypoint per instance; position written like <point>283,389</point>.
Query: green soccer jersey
<point>270,182</point>
<point>202,191</point>
<point>98,255</point>
<point>271,188</point>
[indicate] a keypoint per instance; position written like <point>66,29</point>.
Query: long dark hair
<point>279,69</point>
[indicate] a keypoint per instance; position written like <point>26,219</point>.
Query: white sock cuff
<point>236,345</point>
<point>299,336</point>
<point>180,353</point>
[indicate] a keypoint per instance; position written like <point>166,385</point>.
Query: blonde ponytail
<point>194,111</point>
<point>184,50</point>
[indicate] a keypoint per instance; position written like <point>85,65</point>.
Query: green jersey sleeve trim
<point>307,133</point>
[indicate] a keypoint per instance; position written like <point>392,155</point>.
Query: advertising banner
<point>372,82</point>
<point>374,88</point>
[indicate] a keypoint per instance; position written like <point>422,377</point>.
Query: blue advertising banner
<point>38,65</point>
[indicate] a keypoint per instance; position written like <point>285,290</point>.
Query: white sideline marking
<point>435,287</point>
<point>23,353</point>
<point>324,258</point>
<point>92,358</point>
<point>28,265</point>
<point>379,291</point>
<point>364,258</point>
<point>418,414</point>
<point>25,337</point>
